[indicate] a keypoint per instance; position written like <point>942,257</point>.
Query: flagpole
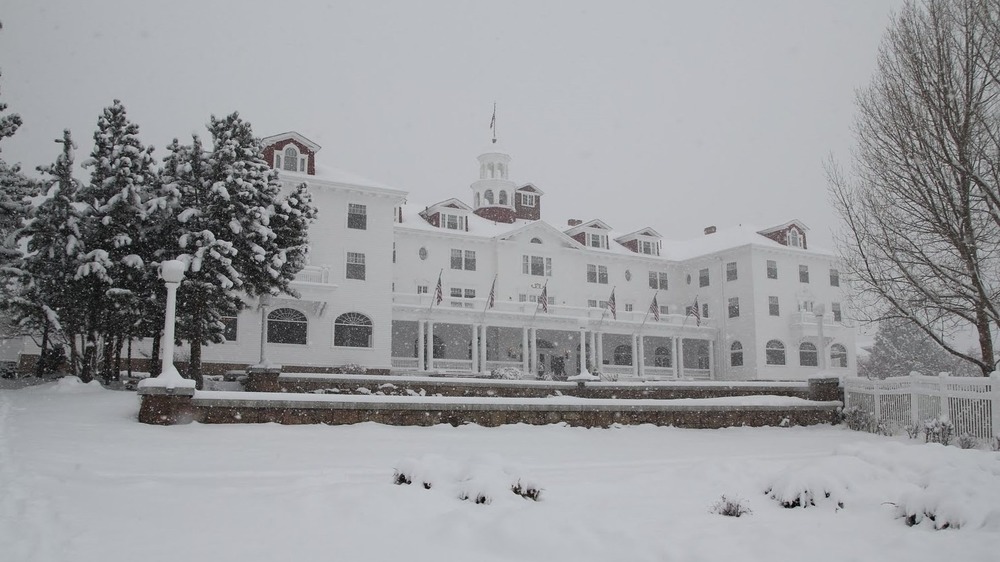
<point>492,288</point>
<point>438,286</point>
<point>646,317</point>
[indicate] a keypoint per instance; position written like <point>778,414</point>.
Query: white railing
<point>972,404</point>
<point>405,363</point>
<point>453,365</point>
<point>657,373</point>
<point>696,374</point>
<point>490,365</point>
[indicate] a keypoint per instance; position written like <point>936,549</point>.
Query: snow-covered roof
<point>267,141</point>
<point>593,223</point>
<point>478,226</point>
<point>796,222</point>
<point>532,188</point>
<point>641,232</point>
<point>451,204</point>
<point>335,175</point>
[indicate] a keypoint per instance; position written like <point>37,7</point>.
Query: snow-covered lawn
<point>81,480</point>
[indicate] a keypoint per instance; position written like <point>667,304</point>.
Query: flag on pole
<point>611,305</point>
<point>654,309</point>
<point>695,312</point>
<point>438,292</point>
<point>492,299</point>
<point>543,299</point>
<point>493,122</point>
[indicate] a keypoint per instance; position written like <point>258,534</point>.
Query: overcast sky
<point>675,115</point>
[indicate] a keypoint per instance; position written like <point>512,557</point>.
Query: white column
<point>583,351</point>
<point>474,344</point>
<point>675,356</point>
<point>533,345</point>
<point>482,348</point>
<point>265,302</point>
<point>594,366</point>
<point>430,345</point>
<point>642,357</point>
<point>711,359</point>
<point>635,356</point>
<point>421,346</point>
<point>680,356</point>
<point>600,351</point>
<point>525,351</point>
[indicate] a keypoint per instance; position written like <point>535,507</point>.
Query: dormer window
<point>794,239</point>
<point>291,159</point>
<point>527,200</point>
<point>648,248</point>
<point>597,240</point>
<point>453,222</point>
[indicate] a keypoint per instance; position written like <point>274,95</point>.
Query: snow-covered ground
<point>81,480</point>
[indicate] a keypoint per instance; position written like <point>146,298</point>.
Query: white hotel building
<point>368,295</point>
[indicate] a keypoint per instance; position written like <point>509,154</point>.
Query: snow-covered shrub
<point>939,430</point>
<point>858,419</point>
<point>810,485</point>
<point>352,369</point>
<point>363,390</point>
<point>528,490</point>
<point>481,480</point>
<point>995,444</point>
<point>426,471</point>
<point>505,373</point>
<point>913,430</point>
<point>968,441</point>
<point>731,506</point>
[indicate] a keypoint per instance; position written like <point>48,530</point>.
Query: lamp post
<point>819,310</point>
<point>265,303</point>
<point>172,273</point>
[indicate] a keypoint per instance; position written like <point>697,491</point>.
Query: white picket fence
<point>972,404</point>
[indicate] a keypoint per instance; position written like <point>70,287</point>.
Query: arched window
<point>503,198</point>
<point>807,355</point>
<point>291,159</point>
<point>623,355</point>
<point>492,171</point>
<point>661,356</point>
<point>488,196</point>
<point>536,240</point>
<point>287,325</point>
<point>352,329</point>
<point>838,355</point>
<point>793,238</point>
<point>774,352</point>
<point>477,199</point>
<point>736,354</point>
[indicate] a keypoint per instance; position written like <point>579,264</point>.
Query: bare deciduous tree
<point>920,203</point>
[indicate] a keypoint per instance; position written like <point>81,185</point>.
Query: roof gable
<point>274,139</point>
<point>595,224</point>
<point>530,188</point>
<point>542,230</point>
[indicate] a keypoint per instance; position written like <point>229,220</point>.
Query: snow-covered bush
<point>505,373</point>
<point>939,430</point>
<point>913,430</point>
<point>481,480</point>
<point>813,484</point>
<point>352,369</point>
<point>968,441</point>
<point>731,506</point>
<point>858,419</point>
<point>995,444</point>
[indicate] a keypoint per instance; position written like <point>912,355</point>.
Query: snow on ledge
<point>380,379</point>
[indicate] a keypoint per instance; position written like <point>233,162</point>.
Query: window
<point>736,354</point>
<point>229,328</point>
<point>734,307</point>
<point>662,356</point>
<point>658,280</point>
<point>664,309</point>
<point>527,200</point>
<point>628,307</point>
<point>647,247</point>
<point>794,239</point>
<point>355,265</point>
<point>704,310</point>
<point>805,306</point>
<point>731,271</point>
<point>835,307</point>
<point>772,306</point>
<point>772,269</point>
<point>503,198</point>
<point>287,325</point>
<point>421,289</point>
<point>488,195</point>
<point>352,330</point>
<point>357,216</point>
<point>803,274</point>
<point>838,356</point>
<point>623,355</point>
<point>703,279</point>
<point>470,293</point>
<point>536,240</point>
<point>774,353</point>
<point>597,274</point>
<point>596,240</point>
<point>536,265</point>
<point>807,355</point>
<point>463,260</point>
<point>453,222</point>
<point>456,292</point>
<point>291,159</point>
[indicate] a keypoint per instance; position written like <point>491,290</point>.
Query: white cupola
<point>493,193</point>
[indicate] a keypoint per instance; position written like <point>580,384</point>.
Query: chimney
<point>574,222</point>
<point>709,230</point>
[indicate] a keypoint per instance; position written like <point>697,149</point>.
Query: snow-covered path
<point>82,481</point>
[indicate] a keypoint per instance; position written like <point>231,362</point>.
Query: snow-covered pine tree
<point>901,347</point>
<point>14,186</point>
<point>187,218</point>
<point>46,299</point>
<point>290,221</point>
<point>122,177</point>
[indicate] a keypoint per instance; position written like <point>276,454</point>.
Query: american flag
<point>544,298</point>
<point>654,309</point>
<point>438,292</point>
<point>492,299</point>
<point>695,312</point>
<point>611,305</point>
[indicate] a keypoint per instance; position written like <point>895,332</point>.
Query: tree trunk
<point>128,362</point>
<point>89,357</point>
<point>983,326</point>
<point>154,357</point>
<point>194,367</point>
<point>118,357</point>
<point>40,365</point>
